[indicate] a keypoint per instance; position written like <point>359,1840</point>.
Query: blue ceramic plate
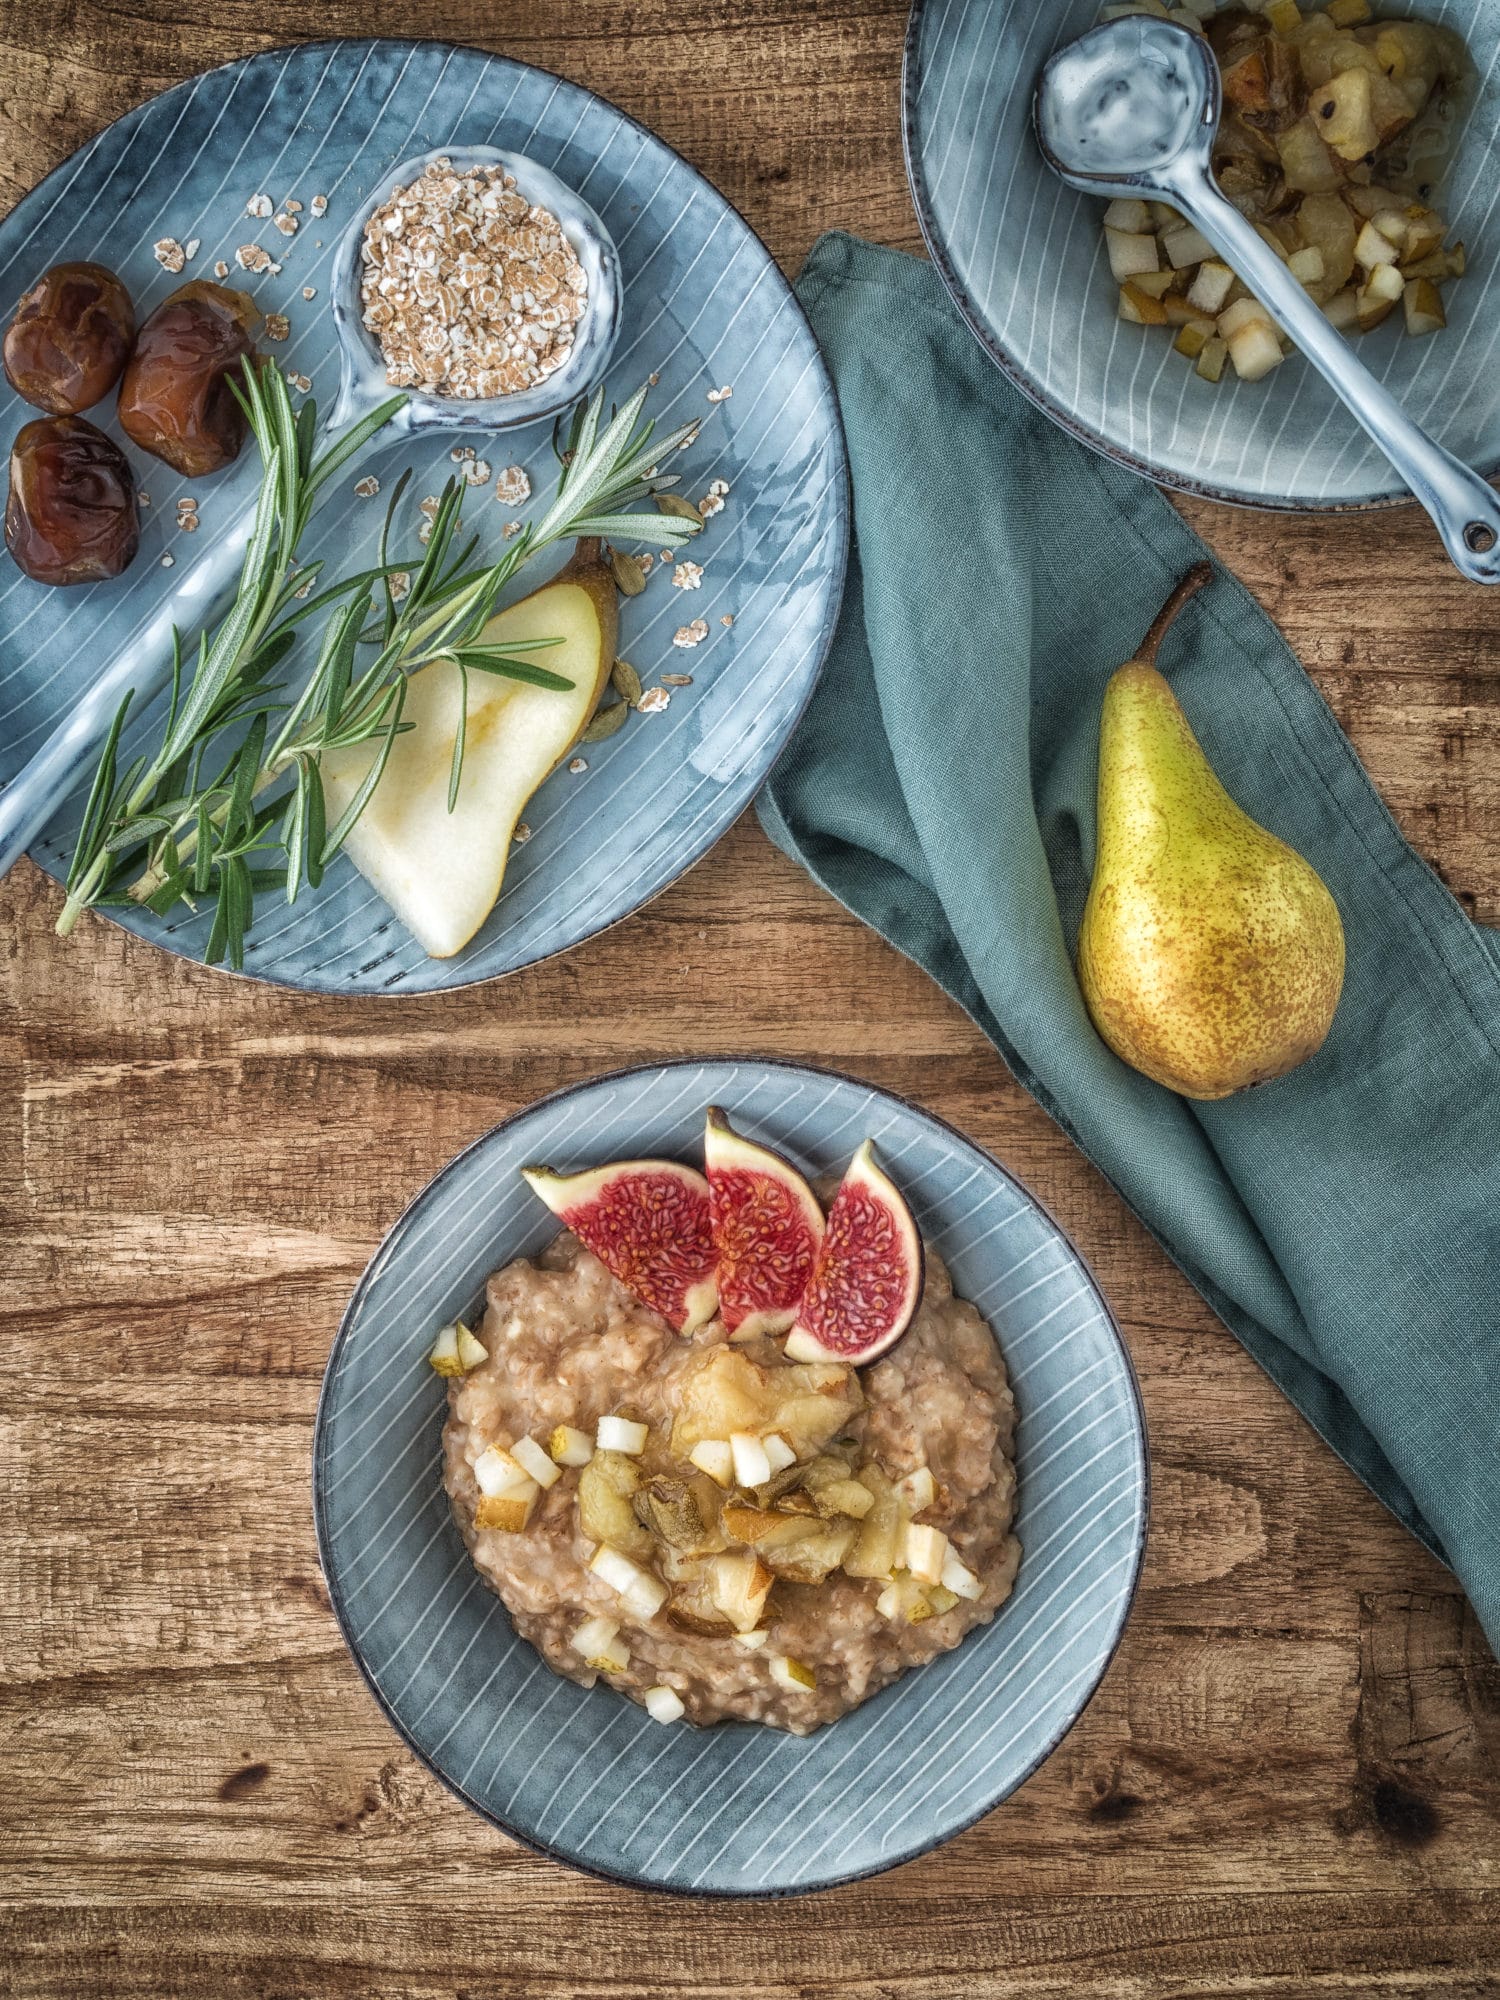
<point>1024,258</point>
<point>705,307</point>
<point>737,1809</point>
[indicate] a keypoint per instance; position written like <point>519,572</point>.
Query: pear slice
<point>442,872</point>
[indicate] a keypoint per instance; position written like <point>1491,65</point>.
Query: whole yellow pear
<point>1211,955</point>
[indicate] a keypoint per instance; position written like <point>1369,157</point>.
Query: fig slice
<point>647,1223</point>
<point>767,1228</point>
<point>867,1282</point>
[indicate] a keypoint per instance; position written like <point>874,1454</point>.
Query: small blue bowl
<point>362,378</point>
<point>586,1775</point>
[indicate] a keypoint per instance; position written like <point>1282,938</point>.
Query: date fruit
<point>71,516</point>
<point>70,338</point>
<point>175,400</point>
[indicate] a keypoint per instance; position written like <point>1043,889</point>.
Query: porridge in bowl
<point>731,1524</point>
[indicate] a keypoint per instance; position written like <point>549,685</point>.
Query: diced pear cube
<point>1424,308</point>
<point>958,1577</point>
<point>496,1471</point>
<point>1134,217</point>
<point>444,1359</point>
<point>664,1704</point>
<point>1306,266</point>
<point>1255,351</point>
<point>1193,338</point>
<point>1372,246</point>
<point>597,1641</point>
<point>1129,253</point>
<point>925,1552</point>
<point>1211,359</point>
<point>715,1456</point>
<point>751,1642</point>
<point>1139,309</point>
<point>752,1466</point>
<point>793,1675</point>
<point>779,1454</point>
<point>1186,245</point>
<point>529,1455</point>
<point>1210,288</point>
<point>1342,310</point>
<point>568,1446</point>
<point>622,1434</point>
<point>509,1512</point>
<point>918,1489</point>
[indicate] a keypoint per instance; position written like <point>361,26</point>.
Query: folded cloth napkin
<point>1345,1220</point>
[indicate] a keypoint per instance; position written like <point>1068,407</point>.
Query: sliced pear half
<point>442,872</point>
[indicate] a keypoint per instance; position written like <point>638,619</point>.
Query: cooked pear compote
<point>711,1528</point>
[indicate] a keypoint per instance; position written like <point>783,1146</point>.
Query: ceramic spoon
<point>69,754</point>
<point>1132,108</point>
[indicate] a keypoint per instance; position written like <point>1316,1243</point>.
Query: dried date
<point>70,338</point>
<point>175,400</point>
<point>71,513</point>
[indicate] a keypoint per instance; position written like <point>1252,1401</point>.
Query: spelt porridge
<point>873,1531</point>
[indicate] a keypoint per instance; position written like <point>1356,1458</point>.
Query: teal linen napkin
<point>1344,1221</point>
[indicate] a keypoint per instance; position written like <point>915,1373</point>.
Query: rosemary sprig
<point>190,820</point>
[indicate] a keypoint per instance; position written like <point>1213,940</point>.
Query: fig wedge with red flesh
<point>867,1282</point>
<point>647,1223</point>
<point>767,1228</point>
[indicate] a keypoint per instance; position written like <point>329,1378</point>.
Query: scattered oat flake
<point>654,700</point>
<point>259,205</point>
<point>251,257</point>
<point>399,581</point>
<point>718,489</point>
<point>302,382</point>
<point>577,764</point>
<point>320,204</point>
<point>292,207</point>
<point>647,563</point>
<point>666,555</point>
<point>221,269</point>
<point>522,833</point>
<point>304,590</point>
<point>144,497</point>
<point>188,523</point>
<point>720,395</point>
<point>727,618</point>
<point>709,505</point>
<point>277,326</point>
<point>287,224</point>
<point>461,452</point>
<point>677,680</point>
<point>477,471</point>
<point>687,576</point>
<point>512,486</point>
<point>424,533</point>
<point>690,635</point>
<point>428,505</point>
<point>167,561</point>
<point>309,291</point>
<point>653,380</point>
<point>511,528</point>
<point>190,248</point>
<point>367,487</point>
<point>169,253</point>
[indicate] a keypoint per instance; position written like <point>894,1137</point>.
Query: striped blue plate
<point>1024,259</point>
<point>736,1810</point>
<point>705,308</point>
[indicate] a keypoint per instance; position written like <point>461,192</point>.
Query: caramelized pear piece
<point>70,338</point>
<point>71,515</point>
<point>176,401</point>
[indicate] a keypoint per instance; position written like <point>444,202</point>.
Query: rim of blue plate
<point>1031,389</point>
<point>331,1581</point>
<point>841,526</point>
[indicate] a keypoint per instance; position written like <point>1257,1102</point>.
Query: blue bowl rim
<point>1031,389</point>
<point>841,526</point>
<point>322,1533</point>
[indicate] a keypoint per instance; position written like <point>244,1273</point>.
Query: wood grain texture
<point>1289,1784</point>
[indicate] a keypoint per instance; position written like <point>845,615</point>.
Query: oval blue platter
<point>587,1776</point>
<point>1024,259</point>
<point>705,309</point>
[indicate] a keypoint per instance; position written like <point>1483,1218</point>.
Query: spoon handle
<point>52,773</point>
<point>1465,510</point>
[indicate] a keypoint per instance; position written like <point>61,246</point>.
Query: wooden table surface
<point>1289,1782</point>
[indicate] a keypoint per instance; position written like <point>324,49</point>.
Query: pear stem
<point>1190,585</point>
